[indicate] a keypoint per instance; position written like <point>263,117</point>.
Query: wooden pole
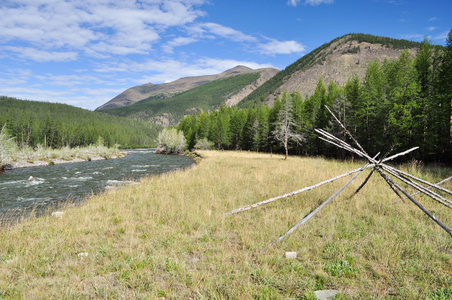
<point>360,147</point>
<point>421,188</point>
<point>329,136</point>
<point>305,219</point>
<point>388,179</point>
<point>422,181</point>
<point>353,150</point>
<point>291,193</point>
<point>364,182</point>
<point>418,192</point>
<point>371,173</point>
<point>400,154</point>
<point>348,132</point>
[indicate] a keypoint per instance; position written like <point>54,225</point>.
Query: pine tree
<point>353,95</point>
<point>403,94</point>
<point>372,111</point>
<point>445,100</point>
<point>237,126</point>
<point>425,115</point>
<point>255,135</point>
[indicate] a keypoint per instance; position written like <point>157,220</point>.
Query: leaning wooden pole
<point>338,142</point>
<point>348,133</point>
<point>241,209</point>
<point>305,219</point>
<point>364,182</point>
<point>389,180</point>
<point>436,186</point>
<point>419,192</point>
<point>419,187</point>
<point>370,174</point>
<point>359,145</point>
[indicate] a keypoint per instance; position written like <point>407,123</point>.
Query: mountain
<point>167,90</point>
<point>337,60</point>
<point>232,86</point>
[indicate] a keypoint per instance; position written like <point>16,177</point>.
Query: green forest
<point>58,125</point>
<point>398,105</point>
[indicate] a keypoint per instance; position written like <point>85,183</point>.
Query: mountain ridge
<point>169,89</point>
<point>206,97</point>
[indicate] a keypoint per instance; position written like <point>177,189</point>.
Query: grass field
<point>168,238</point>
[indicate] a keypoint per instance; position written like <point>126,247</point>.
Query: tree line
<point>56,125</point>
<point>397,105</point>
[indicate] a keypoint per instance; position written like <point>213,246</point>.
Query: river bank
<point>47,162</point>
<point>168,238</point>
<point>27,157</point>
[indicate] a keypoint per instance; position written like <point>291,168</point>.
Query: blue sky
<point>85,52</point>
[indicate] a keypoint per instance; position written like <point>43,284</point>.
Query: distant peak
<point>241,67</point>
<point>238,70</point>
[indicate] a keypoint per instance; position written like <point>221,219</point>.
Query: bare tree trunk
<point>287,150</point>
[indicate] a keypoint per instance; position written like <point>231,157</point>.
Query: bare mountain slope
<point>339,65</point>
<point>167,90</point>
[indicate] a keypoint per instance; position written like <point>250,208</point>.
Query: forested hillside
<point>57,125</point>
<point>342,46</point>
<point>169,111</point>
<point>166,90</point>
<point>398,105</point>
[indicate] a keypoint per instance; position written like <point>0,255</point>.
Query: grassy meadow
<point>168,238</point>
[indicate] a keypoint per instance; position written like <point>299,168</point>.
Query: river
<point>56,184</point>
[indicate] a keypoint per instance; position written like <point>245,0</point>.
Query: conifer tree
<point>255,135</point>
<point>445,100</point>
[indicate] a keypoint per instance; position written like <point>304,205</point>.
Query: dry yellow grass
<point>168,237</point>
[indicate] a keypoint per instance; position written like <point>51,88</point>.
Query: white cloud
<point>71,80</point>
<point>40,55</point>
<point>280,47</point>
<point>442,36</point>
<point>318,2</point>
<point>413,36</point>
<point>431,28</point>
<point>107,26</point>
<point>293,2</point>
<point>393,2</point>
<point>309,2</point>
<point>222,31</point>
<point>177,42</point>
<point>12,77</point>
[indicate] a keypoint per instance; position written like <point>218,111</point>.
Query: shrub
<point>7,146</point>
<point>171,140</point>
<point>204,144</point>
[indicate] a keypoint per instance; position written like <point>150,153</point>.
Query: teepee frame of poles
<point>422,186</point>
